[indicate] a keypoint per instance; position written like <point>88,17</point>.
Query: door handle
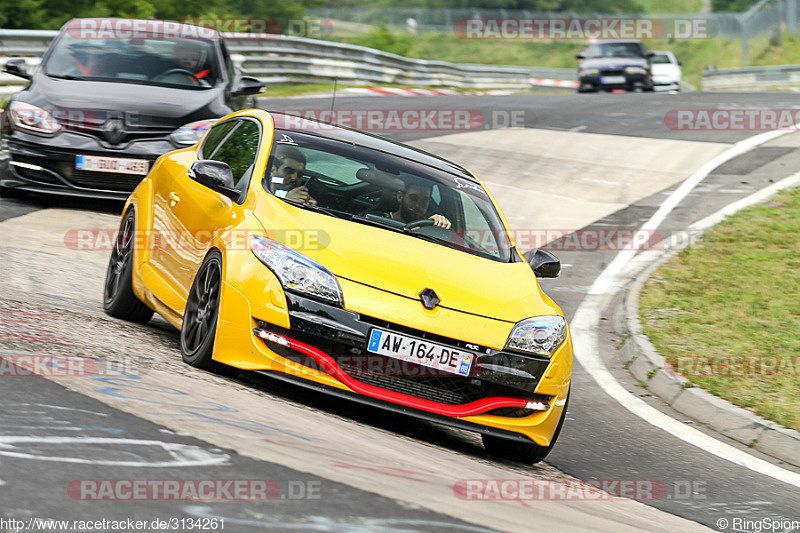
<point>173,199</point>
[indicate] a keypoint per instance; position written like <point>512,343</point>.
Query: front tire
<point>119,299</point>
<point>200,317</point>
<point>524,452</point>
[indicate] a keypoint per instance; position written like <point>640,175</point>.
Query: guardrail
<point>285,58</point>
<point>752,78</point>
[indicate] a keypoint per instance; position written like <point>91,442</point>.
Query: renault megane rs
<point>350,264</point>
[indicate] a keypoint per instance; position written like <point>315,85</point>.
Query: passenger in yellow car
<point>287,176</point>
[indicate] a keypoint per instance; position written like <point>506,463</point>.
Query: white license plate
<point>419,351</point>
<point>612,79</point>
<point>117,165</point>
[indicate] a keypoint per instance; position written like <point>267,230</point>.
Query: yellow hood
<point>406,265</point>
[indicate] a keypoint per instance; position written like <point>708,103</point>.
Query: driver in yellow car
<point>413,197</point>
<point>414,201</point>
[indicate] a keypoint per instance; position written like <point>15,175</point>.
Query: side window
<point>239,150</point>
<point>228,63</point>
<point>215,136</point>
<point>478,228</point>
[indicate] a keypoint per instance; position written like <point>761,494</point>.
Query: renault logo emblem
<point>113,130</point>
<point>429,298</point>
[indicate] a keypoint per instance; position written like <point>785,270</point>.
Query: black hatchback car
<point>618,64</point>
<point>108,98</point>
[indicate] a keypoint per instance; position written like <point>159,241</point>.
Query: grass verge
<point>725,311</point>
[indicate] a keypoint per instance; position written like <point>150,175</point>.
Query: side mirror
<point>17,67</point>
<point>650,54</point>
<point>680,64</point>
<point>543,263</point>
<point>247,86</point>
<point>215,175</point>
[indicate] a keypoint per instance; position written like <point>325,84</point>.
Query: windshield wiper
<point>65,77</point>
<point>379,221</point>
<point>394,225</point>
<point>318,209</point>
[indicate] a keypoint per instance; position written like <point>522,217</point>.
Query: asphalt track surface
<point>600,440</point>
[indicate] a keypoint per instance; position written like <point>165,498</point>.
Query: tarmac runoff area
<point>542,179</point>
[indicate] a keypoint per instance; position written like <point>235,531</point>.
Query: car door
<point>196,213</point>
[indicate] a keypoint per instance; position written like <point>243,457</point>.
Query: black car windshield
<point>613,50</point>
<point>185,63</point>
<point>378,189</point>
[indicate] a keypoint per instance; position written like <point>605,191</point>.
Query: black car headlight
<point>297,272</point>
<point>32,118</point>
<point>540,335</point>
<point>191,133</point>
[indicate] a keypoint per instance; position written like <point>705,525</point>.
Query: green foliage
<point>385,39</point>
<point>21,14</point>
<point>731,5</point>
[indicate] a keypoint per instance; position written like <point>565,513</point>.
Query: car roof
<point>609,41</point>
<point>374,142</point>
<point>145,26</point>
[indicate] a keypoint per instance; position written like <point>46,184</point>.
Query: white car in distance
<point>666,71</point>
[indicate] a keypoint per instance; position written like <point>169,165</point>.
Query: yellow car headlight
<point>296,271</point>
<point>590,72</point>
<point>541,335</point>
<point>635,70</point>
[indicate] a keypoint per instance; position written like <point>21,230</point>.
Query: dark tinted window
<point>215,136</point>
<point>614,50</point>
<point>239,150</point>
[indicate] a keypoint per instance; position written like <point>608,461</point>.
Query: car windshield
<point>185,63</point>
<point>660,58</point>
<point>613,50</point>
<point>378,189</point>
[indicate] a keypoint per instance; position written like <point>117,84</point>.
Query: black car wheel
<point>200,317</point>
<point>524,452</point>
<point>118,298</point>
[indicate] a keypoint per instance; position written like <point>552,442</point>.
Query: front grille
<point>89,179</point>
<point>448,390</point>
<point>105,180</point>
<point>615,72</point>
<point>401,377</point>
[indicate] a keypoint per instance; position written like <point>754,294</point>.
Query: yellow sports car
<point>351,264</point>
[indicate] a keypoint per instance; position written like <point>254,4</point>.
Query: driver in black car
<point>188,55</point>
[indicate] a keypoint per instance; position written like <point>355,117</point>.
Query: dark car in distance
<point>618,64</point>
<point>108,98</point>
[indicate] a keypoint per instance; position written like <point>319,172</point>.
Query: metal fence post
<point>791,17</point>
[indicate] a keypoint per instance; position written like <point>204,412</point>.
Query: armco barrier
<point>753,78</point>
<point>284,58</point>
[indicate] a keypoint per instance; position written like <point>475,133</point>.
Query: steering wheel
<point>414,224</point>
<point>191,75</point>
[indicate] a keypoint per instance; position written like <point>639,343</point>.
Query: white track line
<point>585,323</point>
